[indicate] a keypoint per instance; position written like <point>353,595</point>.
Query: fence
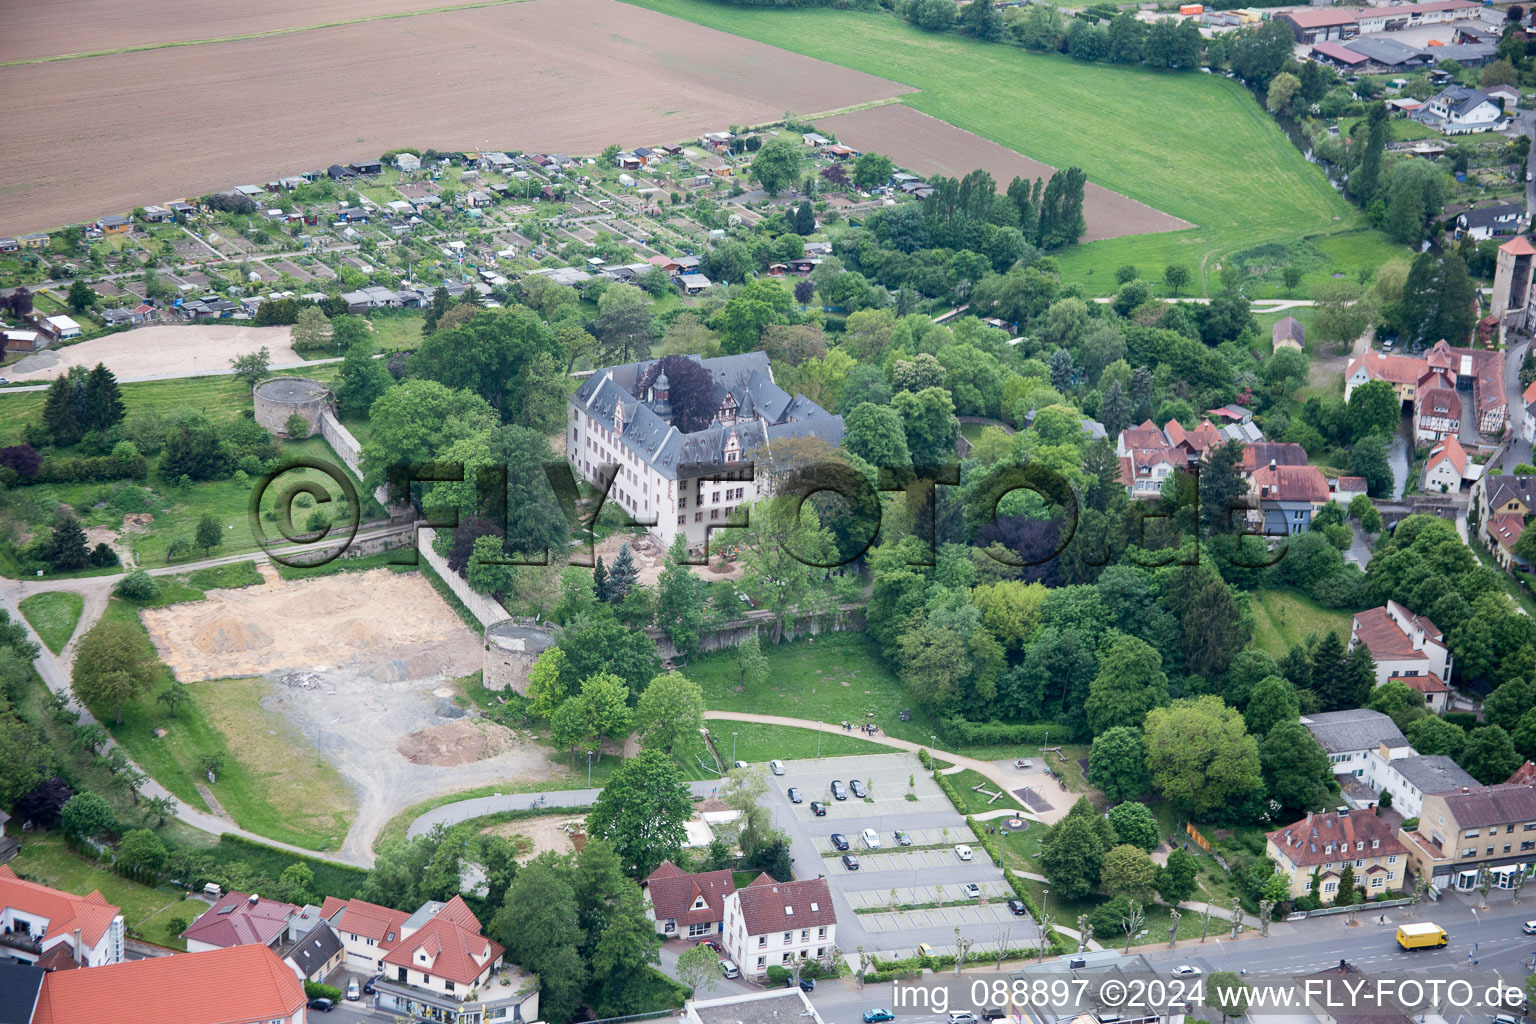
<point>1357,908</point>
<point>486,610</point>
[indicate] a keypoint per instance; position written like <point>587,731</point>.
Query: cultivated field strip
<point>103,135</point>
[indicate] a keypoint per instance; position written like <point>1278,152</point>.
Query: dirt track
<point>160,349</point>
<point>929,146</point>
<point>602,71</point>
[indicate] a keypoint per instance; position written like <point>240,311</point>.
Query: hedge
<point>331,878</point>
<point>83,469</point>
<point>315,990</point>
<point>958,732</point>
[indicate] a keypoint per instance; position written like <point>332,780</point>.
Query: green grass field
<point>1192,145</point>
<point>54,614</point>
<point>46,859</point>
<point>1283,618</point>
<point>974,802</point>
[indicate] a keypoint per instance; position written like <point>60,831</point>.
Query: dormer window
<point>699,903</point>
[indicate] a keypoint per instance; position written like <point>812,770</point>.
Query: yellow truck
<point>1421,936</point>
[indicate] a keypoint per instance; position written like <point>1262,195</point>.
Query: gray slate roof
<point>1355,729</point>
<point>315,949</point>
<point>1433,773</point>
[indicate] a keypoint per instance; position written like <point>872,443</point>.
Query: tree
<point>1134,825</point>
<point>1282,90</point>
<point>784,550</point>
<point>111,666</point>
<point>1117,764</point>
<point>604,709</point>
<point>173,696</point>
<point>1437,736</point>
<point>1489,756</point>
<point>875,434</point>
<point>1346,895</point>
<point>929,15</point>
<point>1128,871</point>
<point>804,218</point>
<point>80,296</point>
<point>142,850</point>
<point>752,662</point>
<point>1438,299</point>
<point>698,967</point>
<point>622,575</point>
<point>776,166</point>
<point>252,367</point>
<point>1071,856</point>
<point>1368,459</point>
<point>1228,994</point>
<point>25,758</point>
<point>1129,684</point>
<point>311,332</point>
<point>209,534</point>
<point>1297,772</point>
<point>1271,701</point>
<point>1176,878</point>
<point>362,378</point>
<point>871,170</point>
<point>67,551</point>
<point>537,923</point>
<point>641,811</point>
<point>87,816</point>
<point>928,419</point>
<point>1508,702</point>
<point>1373,408</point>
<point>981,21</point>
<point>102,400</point>
<point>1175,276</point>
<point>1200,755</point>
<point>670,709</point>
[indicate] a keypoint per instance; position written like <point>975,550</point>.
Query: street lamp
<point>733,748</point>
<point>1044,900</point>
<point>818,740</point>
<point>589,769</point>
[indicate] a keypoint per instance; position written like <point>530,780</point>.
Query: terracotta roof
<point>1525,775</point>
<point>371,921</point>
<point>1144,436</point>
<point>1321,838</point>
<point>768,906</point>
<point>1394,369</point>
<point>65,911</point>
<point>237,921</point>
<point>452,943</point>
<point>1449,450</point>
<point>1291,483</point>
<point>1426,683</point>
<point>1492,805</point>
<point>1506,528</point>
<point>1388,641</point>
<point>1519,246</point>
<point>1350,485</point>
<point>674,893</point>
<point>1318,19</point>
<point>1438,401</point>
<point>1281,453</point>
<point>59,958</point>
<point>1529,395</point>
<point>222,986</point>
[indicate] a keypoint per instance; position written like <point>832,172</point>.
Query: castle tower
<point>1512,282</point>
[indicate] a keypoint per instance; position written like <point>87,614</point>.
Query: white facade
<point>755,953</point>
<point>1443,476</point>
<point>15,921</point>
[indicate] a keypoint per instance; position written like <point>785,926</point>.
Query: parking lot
<point>893,877</point>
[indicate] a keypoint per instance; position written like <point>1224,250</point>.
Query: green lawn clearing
<point>1284,618</point>
<point>54,614</point>
<point>974,802</point>
<point>1192,145</point>
<point>45,858</point>
<point>226,577</point>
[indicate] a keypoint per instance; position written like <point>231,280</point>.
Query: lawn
<point>46,859</point>
<point>397,331</point>
<point>1284,618</point>
<point>973,802</point>
<point>272,783</point>
<point>54,614</point>
<point>226,577</point>
<point>164,928</point>
<point>1193,145</point>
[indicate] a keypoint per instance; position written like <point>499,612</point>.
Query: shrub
<point>138,586</point>
<point>777,975</point>
<point>960,733</point>
<point>315,990</point>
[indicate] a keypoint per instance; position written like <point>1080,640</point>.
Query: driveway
<point>1519,449</point>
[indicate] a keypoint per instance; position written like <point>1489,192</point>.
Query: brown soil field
<point>455,743</point>
<point>161,349</point>
<point>926,145</point>
<point>226,114</point>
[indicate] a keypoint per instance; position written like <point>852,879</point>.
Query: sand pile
<point>226,635</point>
<point>455,743</point>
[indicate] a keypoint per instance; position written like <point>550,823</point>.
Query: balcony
<point>21,941</point>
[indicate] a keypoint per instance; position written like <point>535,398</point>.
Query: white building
<point>776,923</point>
<point>1458,110</point>
<point>408,163</point>
<point>1350,737</point>
<point>1408,779</point>
<point>42,924</point>
<point>1401,643</point>
<point>622,418</point>
<point>64,327</point>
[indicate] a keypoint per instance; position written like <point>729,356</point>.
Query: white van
<point>871,838</point>
<point>963,852</point>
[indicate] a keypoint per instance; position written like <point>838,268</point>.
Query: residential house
<point>238,919</point>
<point>1346,488</point>
<point>117,317</point>
<point>367,930</point>
<point>776,923</point>
<point>1288,333</point>
<point>775,1006</point>
<point>686,484</point>
<point>684,905</point>
<point>1096,974</point>
<point>63,327</point>
<point>1193,443</point>
<point>36,240</point>
<point>35,920</point>
<point>1492,827</point>
<point>1476,376</point>
<point>1271,454</point>
<point>1288,496</point>
<point>1528,418</point>
<point>1504,529</point>
<point>26,341</point>
<point>317,954</point>
<point>1525,775</point>
<point>115,225</point>
<point>444,969</point>
<point>1491,221</point>
<point>371,297</point>
<point>1328,843</point>
<point>1437,695</point>
<point>1401,643</point>
<point>1447,467</point>
<point>224,986</point>
<point>1509,95</point>
<point>1349,737</point>
<point>9,245</point>
<point>1146,460</point>
<point>1410,779</point>
<point>1458,110</point>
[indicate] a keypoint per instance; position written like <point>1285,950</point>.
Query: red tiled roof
<point>1519,246</point>
<point>1506,528</point>
<point>1350,485</point>
<point>1144,436</point>
<point>1385,638</point>
<point>1281,453</point>
<point>1449,450</point>
<point>1347,56</point>
<point>222,986</point>
<point>452,942</point>
<point>1394,369</point>
<point>371,921</point>
<point>1320,838</point>
<point>1442,402</point>
<point>65,911</point>
<point>1525,775</point>
<point>768,906</point>
<point>674,892</point>
<point>235,921</point>
<point>1291,483</point>
<point>1426,683</point>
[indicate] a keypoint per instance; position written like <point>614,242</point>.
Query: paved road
<point>1519,449</point>
<point>463,810</point>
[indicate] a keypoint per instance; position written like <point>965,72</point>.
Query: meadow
<point>1192,145</point>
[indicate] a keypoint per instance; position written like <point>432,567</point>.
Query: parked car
<point>368,988</point>
<point>839,841</point>
<point>839,791</point>
<point>777,767</point>
<point>877,1016</point>
<point>354,991</point>
<point>871,838</point>
<point>794,796</point>
<point>741,764</point>
<point>1186,971</point>
<point>857,788</point>
<point>994,1013</point>
<point>808,984</point>
<point>902,839</point>
<point>709,943</point>
<point>729,969</point>
<point>1530,928</point>
<point>818,808</point>
<point>322,1004</point>
<point>973,890</point>
<point>963,852</point>
<point>850,862</point>
<point>1017,908</point>
<point>961,1017</point>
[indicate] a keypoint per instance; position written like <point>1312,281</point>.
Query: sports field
<point>1191,145</point>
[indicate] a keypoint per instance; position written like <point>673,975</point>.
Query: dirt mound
<point>455,743</point>
<point>230,636</point>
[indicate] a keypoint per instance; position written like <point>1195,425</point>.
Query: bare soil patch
<point>388,626</point>
<point>927,145</point>
<point>169,350</point>
<point>605,72</point>
<point>455,742</point>
<point>533,836</point>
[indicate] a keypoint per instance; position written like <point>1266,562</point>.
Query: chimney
<point>254,899</point>
<point>1271,463</point>
<point>79,952</point>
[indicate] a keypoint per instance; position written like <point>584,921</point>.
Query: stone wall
<point>486,609</point>
<point>847,619</point>
<point>342,442</point>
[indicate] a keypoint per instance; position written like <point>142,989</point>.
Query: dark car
<point>850,862</point>
<point>794,796</point>
<point>839,840</point>
<point>712,945</point>
<point>808,984</point>
<point>322,1004</point>
<point>818,808</point>
<point>857,788</point>
<point>1017,907</point>
<point>368,988</point>
<point>994,1013</point>
<point>839,791</point>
